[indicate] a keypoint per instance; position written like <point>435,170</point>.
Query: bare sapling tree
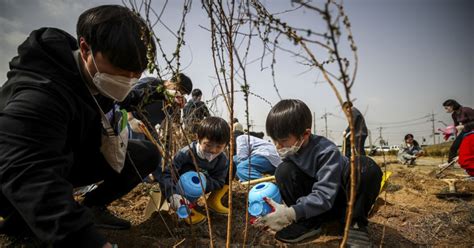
<point>232,27</point>
<point>335,68</point>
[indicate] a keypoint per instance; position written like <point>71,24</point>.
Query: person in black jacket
<point>54,109</point>
<point>195,111</point>
<point>360,130</point>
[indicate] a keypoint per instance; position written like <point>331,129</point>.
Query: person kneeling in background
<point>258,154</point>
<point>409,151</point>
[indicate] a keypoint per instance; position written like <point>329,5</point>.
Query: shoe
<point>81,191</point>
<point>299,231</point>
<point>103,218</point>
<point>195,218</point>
<point>214,202</point>
<point>358,237</point>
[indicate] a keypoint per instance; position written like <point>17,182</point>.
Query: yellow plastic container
<point>385,176</point>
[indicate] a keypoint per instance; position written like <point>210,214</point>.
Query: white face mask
<point>205,155</point>
<point>288,151</point>
<point>112,86</point>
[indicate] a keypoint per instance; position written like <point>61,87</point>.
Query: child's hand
<point>280,217</point>
<point>201,201</point>
<point>176,201</point>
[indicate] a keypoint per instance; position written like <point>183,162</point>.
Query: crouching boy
<point>313,178</point>
<point>255,157</point>
<point>213,136</point>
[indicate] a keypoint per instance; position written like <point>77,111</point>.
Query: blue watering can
<point>257,206</point>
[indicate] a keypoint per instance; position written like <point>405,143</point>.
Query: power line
<point>398,122</point>
<point>404,125</point>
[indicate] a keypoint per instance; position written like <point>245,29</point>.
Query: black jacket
<point>195,111</point>
<point>49,124</point>
<point>360,127</point>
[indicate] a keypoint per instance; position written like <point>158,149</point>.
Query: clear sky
<point>413,55</point>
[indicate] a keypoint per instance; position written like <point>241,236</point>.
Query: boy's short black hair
<point>215,129</point>
<point>196,93</point>
<point>287,117</point>
<point>121,35</point>
<point>184,83</point>
<point>452,103</point>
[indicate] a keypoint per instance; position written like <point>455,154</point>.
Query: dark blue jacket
<point>215,171</point>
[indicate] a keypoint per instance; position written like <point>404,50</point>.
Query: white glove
<point>460,128</point>
<point>175,96</point>
<point>135,125</point>
<point>280,217</point>
<point>176,201</point>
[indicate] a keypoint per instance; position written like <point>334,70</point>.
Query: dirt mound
<point>406,214</point>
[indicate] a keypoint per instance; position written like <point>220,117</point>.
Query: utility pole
<point>433,123</point>
<point>382,142</point>
<point>314,122</point>
<point>370,138</point>
<point>325,117</point>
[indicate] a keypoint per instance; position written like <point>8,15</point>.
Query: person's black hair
<point>121,35</point>
<point>347,104</point>
<point>288,117</point>
<point>452,103</point>
<point>408,136</point>
<point>184,82</point>
<point>235,120</point>
<point>215,129</point>
<point>196,93</point>
<point>415,143</point>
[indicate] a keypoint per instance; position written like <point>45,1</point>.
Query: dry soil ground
<point>407,214</point>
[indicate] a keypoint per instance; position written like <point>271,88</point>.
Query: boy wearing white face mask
<point>313,178</point>
<point>213,136</point>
